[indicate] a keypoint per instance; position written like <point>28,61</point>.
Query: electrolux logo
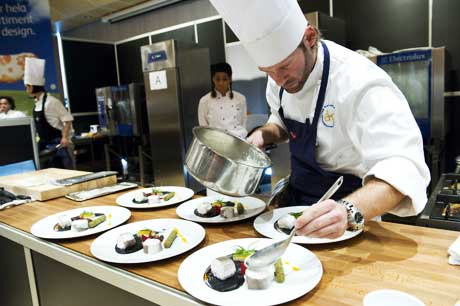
<point>157,56</point>
<point>404,57</point>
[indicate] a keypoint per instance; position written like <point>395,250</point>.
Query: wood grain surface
<point>37,183</point>
<point>387,255</point>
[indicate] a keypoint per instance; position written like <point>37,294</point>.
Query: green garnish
<point>241,253</point>
<point>296,215</point>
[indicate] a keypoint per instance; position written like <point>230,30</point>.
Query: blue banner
<point>25,31</point>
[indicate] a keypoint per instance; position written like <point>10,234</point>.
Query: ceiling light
<point>137,10</point>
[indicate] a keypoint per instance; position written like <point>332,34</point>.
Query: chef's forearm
<point>273,133</point>
<point>66,129</point>
<point>375,198</point>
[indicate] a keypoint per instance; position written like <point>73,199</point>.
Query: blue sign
<point>404,57</point>
<point>25,31</point>
<point>157,56</point>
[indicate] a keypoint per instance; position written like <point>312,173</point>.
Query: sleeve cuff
<point>404,176</point>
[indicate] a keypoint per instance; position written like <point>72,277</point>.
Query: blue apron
<point>308,180</point>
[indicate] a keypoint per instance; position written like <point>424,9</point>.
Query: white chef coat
<point>224,113</point>
<point>366,127</point>
<point>55,112</point>
<point>12,114</point>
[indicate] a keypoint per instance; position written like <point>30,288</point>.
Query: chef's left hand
<point>65,142</point>
<point>326,219</point>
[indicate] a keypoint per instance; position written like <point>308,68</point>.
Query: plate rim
<point>213,220</point>
<point>82,233</point>
<point>148,206</point>
<point>202,237</point>
<point>303,239</point>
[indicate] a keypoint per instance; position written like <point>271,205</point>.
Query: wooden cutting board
<point>37,184</point>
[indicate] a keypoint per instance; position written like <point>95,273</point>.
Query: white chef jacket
<point>366,127</point>
<point>12,114</point>
<point>55,112</point>
<point>224,113</point>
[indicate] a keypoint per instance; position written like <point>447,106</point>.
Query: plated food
<point>216,274</point>
<point>147,241</point>
<point>220,210</point>
<point>80,222</point>
<point>278,223</point>
<point>155,197</point>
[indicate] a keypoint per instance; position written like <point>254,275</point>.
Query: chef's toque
<point>270,30</point>
<point>34,72</point>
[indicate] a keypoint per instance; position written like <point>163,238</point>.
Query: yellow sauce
<point>184,240</point>
<point>109,217</point>
<point>294,268</point>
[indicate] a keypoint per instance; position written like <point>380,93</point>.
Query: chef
<point>52,120</point>
<point>342,116</point>
<point>7,108</point>
<point>223,107</point>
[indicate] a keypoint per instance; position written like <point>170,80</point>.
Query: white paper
<point>158,80</point>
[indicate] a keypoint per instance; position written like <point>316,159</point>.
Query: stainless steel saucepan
<point>225,163</point>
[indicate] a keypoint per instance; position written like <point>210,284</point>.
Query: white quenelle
<point>154,199</point>
<point>125,240</point>
<point>287,222</point>
<point>64,221</point>
<point>227,212</point>
<point>139,197</point>
<point>204,207</point>
<point>152,246</point>
<point>79,225</point>
<point>223,268</point>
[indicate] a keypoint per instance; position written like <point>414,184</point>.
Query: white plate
<point>296,284</point>
<point>264,225</point>
<point>181,195</point>
<point>252,207</point>
<point>104,246</point>
<point>115,216</point>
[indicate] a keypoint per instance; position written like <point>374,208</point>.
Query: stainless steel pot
<point>225,163</point>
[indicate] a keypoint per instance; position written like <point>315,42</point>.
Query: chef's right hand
<point>256,138</point>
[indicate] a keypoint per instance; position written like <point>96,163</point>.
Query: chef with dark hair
<point>52,120</point>
<point>342,115</point>
<point>7,108</point>
<point>222,107</point>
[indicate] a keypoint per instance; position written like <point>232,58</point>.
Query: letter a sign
<point>158,80</point>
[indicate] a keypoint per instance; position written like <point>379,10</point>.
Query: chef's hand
<point>65,142</point>
<point>256,138</point>
<point>326,219</point>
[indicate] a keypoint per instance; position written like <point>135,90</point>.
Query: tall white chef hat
<point>34,71</point>
<point>270,30</point>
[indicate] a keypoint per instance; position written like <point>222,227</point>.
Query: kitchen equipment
<point>225,163</point>
<point>176,76</point>
<point>83,178</point>
<point>121,110</point>
<point>268,255</point>
<point>442,209</point>
<point>98,192</point>
<point>39,184</point>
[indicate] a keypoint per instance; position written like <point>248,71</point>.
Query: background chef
<point>342,115</point>
<point>7,108</point>
<point>52,120</point>
<point>223,107</point>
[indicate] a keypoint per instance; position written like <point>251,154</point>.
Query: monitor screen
<point>16,141</point>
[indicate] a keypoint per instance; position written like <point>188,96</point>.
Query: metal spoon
<point>280,186</point>
<point>268,255</point>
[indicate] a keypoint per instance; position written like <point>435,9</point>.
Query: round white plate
<point>190,235</point>
<point>182,194</point>
<point>252,207</point>
<point>115,216</point>
<point>307,274</point>
<point>264,225</point>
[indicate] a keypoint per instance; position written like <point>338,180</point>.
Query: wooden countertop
<point>387,255</point>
